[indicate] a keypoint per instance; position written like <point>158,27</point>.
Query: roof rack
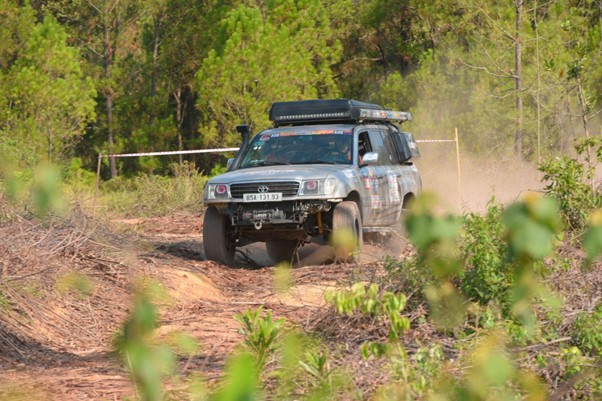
<point>332,110</point>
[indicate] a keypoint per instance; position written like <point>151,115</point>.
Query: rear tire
<point>217,242</point>
<point>347,232</point>
<point>282,251</point>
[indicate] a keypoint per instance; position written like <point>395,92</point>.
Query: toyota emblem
<point>263,189</point>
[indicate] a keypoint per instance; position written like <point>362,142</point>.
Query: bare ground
<point>55,343</point>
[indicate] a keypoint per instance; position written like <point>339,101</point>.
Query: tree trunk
<point>179,119</point>
<point>49,139</point>
<point>538,91</point>
<point>518,133</point>
<point>153,91</point>
<point>583,104</point>
<point>108,59</point>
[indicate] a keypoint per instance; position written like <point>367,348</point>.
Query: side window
<point>390,147</point>
<point>378,145</point>
<point>405,146</point>
<point>363,144</point>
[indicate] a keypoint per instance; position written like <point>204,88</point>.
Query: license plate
<point>268,197</point>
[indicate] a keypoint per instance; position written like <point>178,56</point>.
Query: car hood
<point>278,173</point>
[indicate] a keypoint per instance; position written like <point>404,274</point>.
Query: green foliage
<point>409,275</point>
<point>5,304</point>
<point>492,375</point>
<point>260,333</point>
<point>488,275</point>
<point>532,230</point>
<point>46,197</point>
<point>592,238</point>
<point>587,331</point>
<point>242,380</point>
<point>316,364</point>
<point>75,281</point>
<point>78,178</point>
<point>149,364</point>
<point>435,240</point>
<point>565,182</point>
<point>39,190</point>
<point>50,99</point>
<point>413,375</point>
<point>370,301</point>
<point>280,50</point>
<point>154,195</point>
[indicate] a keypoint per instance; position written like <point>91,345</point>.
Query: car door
<point>375,203</point>
<point>369,184</point>
<point>391,171</point>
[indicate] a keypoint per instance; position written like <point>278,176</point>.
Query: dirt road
<point>63,351</point>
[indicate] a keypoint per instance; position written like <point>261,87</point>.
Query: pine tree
<point>48,100</point>
<point>282,51</point>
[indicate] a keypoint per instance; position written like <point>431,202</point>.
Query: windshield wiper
<point>315,162</point>
<point>270,163</point>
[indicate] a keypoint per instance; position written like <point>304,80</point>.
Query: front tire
<point>217,242</point>
<point>347,236</point>
<point>282,251</point>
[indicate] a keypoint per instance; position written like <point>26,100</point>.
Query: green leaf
<point>592,242</point>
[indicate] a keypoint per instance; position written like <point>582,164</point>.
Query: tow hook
<point>258,224</point>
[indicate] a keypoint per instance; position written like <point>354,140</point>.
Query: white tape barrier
<point>218,150</point>
<point>175,152</point>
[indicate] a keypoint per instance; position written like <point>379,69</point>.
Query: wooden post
<point>458,166</point>
<point>98,171</point>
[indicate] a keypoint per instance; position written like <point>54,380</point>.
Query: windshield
<point>299,147</point>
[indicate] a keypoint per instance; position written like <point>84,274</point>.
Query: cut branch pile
<point>42,309</point>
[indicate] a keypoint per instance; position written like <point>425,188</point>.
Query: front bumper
<point>292,214</point>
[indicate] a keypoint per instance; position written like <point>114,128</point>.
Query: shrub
<point>571,182</point>
<point>565,179</point>
<point>152,195</point>
<point>488,275</point>
<point>587,331</point>
<point>260,333</point>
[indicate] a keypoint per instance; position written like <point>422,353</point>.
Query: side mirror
<point>229,163</point>
<point>369,158</point>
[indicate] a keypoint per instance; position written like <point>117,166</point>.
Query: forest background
<point>78,78</point>
<point>522,80</point>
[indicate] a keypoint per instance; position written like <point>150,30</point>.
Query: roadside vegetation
<point>503,304</point>
<point>479,309</point>
<point>475,313</point>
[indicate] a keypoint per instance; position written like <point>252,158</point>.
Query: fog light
<point>311,185</point>
<point>221,189</point>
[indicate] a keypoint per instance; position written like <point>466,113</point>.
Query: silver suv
<point>325,166</point>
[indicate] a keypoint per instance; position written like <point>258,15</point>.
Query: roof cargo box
<point>317,111</point>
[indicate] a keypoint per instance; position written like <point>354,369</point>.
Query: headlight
<point>318,187</point>
<point>218,191</point>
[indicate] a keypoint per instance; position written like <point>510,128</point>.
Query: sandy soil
<point>56,345</point>
<point>61,350</point>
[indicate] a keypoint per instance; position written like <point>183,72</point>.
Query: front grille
<point>287,188</point>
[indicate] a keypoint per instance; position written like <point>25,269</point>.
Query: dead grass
<point>57,342</point>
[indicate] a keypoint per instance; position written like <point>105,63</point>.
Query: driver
<point>342,153</point>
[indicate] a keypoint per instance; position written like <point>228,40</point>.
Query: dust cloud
<point>482,178</point>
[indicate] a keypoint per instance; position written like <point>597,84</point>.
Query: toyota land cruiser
<point>324,166</point>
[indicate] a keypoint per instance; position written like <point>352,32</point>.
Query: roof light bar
<point>312,116</point>
<point>333,110</point>
<point>384,115</point>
